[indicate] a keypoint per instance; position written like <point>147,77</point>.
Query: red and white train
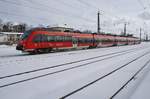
<point>44,40</point>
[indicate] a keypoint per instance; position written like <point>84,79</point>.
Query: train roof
<point>70,30</point>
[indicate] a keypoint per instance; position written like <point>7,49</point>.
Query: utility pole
<point>125,29</point>
<point>146,37</point>
<point>98,23</point>
<point>140,33</point>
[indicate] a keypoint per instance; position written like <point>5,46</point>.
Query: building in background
<point>3,38</point>
<point>9,37</point>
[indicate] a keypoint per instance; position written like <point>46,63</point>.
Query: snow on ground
<point>142,91</point>
<point>8,51</point>
<point>56,85</point>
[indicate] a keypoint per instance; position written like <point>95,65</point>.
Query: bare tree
<point>1,21</point>
<point>1,25</point>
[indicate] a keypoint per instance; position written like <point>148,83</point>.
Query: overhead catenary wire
<point>49,9</point>
<point>44,8</point>
<point>35,20</point>
<point>66,4</point>
<point>103,13</point>
<point>61,11</point>
<point>87,4</point>
<point>20,16</point>
<point>53,10</point>
<point>80,1</point>
<point>142,4</point>
<point>97,8</point>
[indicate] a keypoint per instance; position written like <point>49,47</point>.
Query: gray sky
<point>80,14</point>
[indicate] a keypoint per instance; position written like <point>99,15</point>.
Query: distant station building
<point>9,37</point>
<point>3,38</point>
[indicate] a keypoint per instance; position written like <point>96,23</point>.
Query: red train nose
<point>19,45</point>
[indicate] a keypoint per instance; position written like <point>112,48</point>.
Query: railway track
<point>73,62</point>
<point>108,74</point>
<point>62,70</point>
<point>131,79</point>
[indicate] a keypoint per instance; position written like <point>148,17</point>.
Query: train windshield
<point>26,34</point>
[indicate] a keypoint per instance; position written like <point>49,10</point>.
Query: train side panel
<point>47,41</point>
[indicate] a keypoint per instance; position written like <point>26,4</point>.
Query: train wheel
<point>45,50</point>
<point>40,51</point>
<point>36,51</point>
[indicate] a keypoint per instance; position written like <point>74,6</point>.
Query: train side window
<point>75,40</point>
<point>67,38</point>
<point>44,38</point>
<point>85,40</point>
<point>59,38</point>
<point>81,40</point>
<point>56,38</point>
<point>103,40</point>
<point>51,38</point>
<point>70,38</point>
<point>89,40</point>
<point>96,40</point>
<point>63,38</point>
<point>37,38</point>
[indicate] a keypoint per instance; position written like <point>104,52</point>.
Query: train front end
<point>22,44</point>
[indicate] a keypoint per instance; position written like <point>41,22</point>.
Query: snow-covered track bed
<point>78,61</point>
<point>108,74</point>
<point>61,67</point>
<point>24,57</point>
<point>46,61</point>
<point>132,78</point>
<point>87,74</point>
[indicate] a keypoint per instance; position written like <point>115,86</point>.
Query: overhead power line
<point>87,4</point>
<point>20,16</point>
<point>97,8</point>
<point>66,4</point>
<point>141,4</point>
<point>49,9</point>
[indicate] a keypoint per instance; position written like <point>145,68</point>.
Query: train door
<point>74,42</point>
